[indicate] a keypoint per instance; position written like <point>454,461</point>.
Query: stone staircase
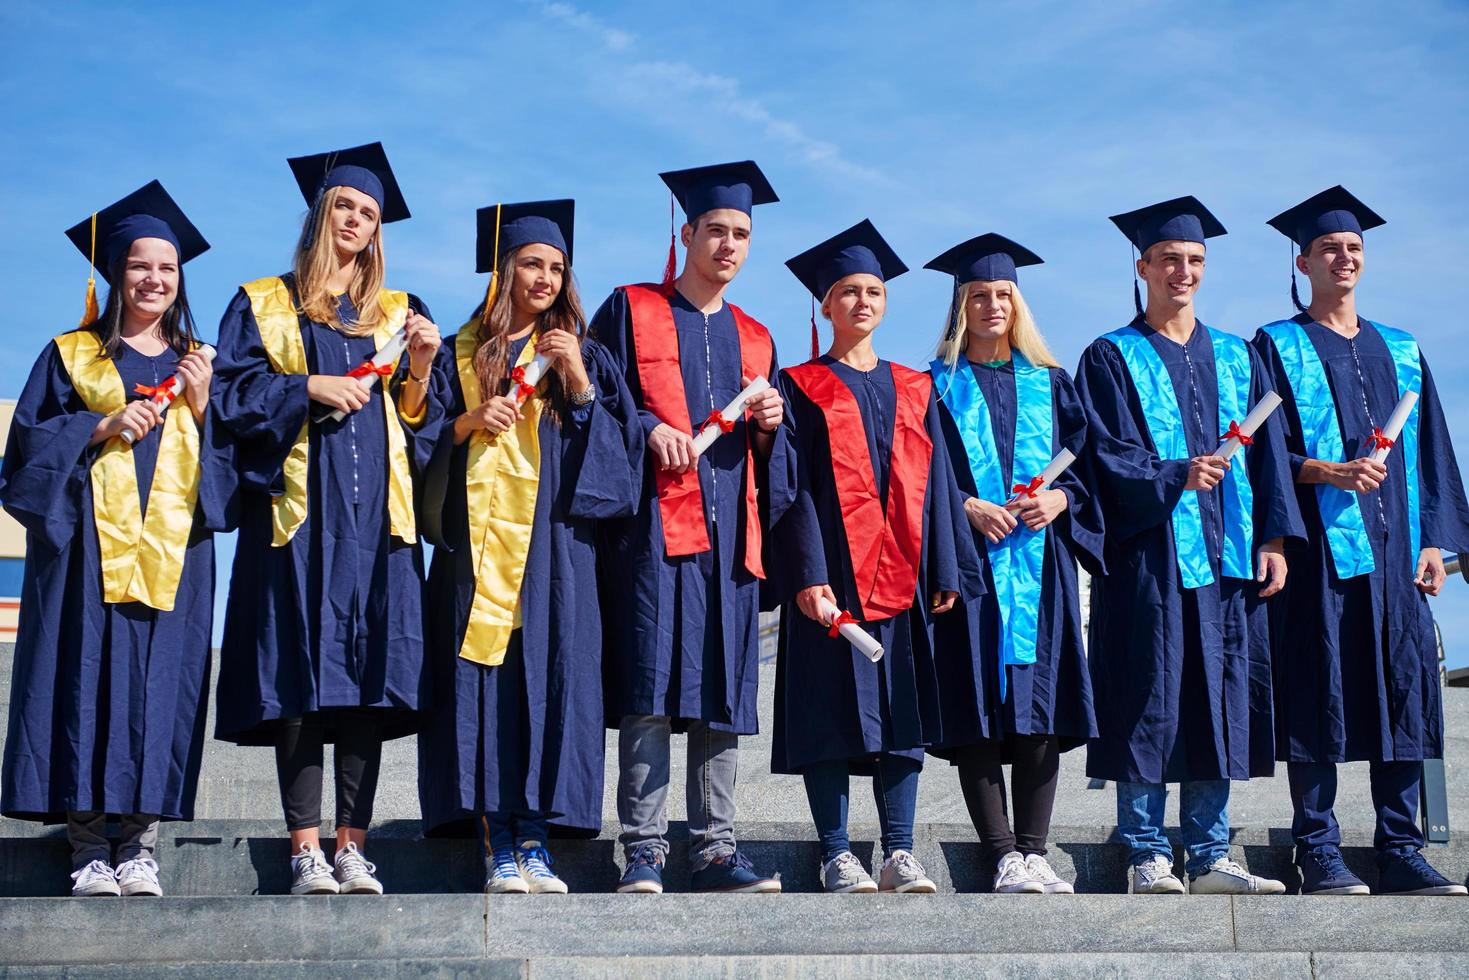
<point>225,914</point>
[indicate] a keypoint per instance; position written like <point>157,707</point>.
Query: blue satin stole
<point>1165,427</point>
<point>1018,561</point>
<point>1341,512</point>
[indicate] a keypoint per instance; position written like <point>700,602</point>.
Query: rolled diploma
<point>1268,403</point>
<point>731,412</point>
<point>860,639</point>
<point>1395,423</point>
<point>534,372</point>
<point>176,387</point>
<point>390,353</point>
<point>1053,469</point>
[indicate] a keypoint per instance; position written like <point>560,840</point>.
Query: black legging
<point>1036,763</point>
<point>357,759</point>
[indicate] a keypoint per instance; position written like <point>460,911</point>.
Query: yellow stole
<point>280,333</point>
<point>142,557</point>
<point>502,477</point>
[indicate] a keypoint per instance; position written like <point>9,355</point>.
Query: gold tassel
<point>494,288</point>
<point>91,313</point>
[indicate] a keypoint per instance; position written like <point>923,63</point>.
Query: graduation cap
<point>739,186</point>
<point>986,258</point>
<point>858,249</point>
<point>502,228</point>
<point>1183,219</point>
<point>1334,209</point>
<point>363,168</point>
<point>148,212</point>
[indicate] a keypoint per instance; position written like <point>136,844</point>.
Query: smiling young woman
<point>114,635</point>
<point>323,639</point>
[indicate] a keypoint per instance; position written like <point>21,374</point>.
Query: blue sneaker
<point>644,874</point>
<point>1405,872</point>
<point>732,873</point>
<point>535,867</point>
<point>1323,872</point>
<point>504,877</point>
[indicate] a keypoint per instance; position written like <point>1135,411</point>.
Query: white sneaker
<point>902,873</point>
<point>1013,877</point>
<point>534,862</point>
<point>504,877</point>
<point>310,874</point>
<point>95,879</point>
<point>139,877</point>
<point>1155,877</point>
<point>844,875</point>
<point>354,873</point>
<point>1051,883</point>
<point>1224,877</point>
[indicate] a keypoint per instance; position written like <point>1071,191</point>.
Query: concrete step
<point>792,935</point>
<point>224,858</point>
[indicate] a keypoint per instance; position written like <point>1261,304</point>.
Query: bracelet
<point>423,381</point>
<point>584,397</point>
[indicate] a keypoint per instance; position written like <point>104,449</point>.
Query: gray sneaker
<point>1224,877</point>
<point>355,874</point>
<point>901,872</point>
<point>310,873</point>
<point>1155,877</point>
<point>1013,877</point>
<point>1051,883</point>
<point>844,875</point>
<point>95,879</point>
<point>139,877</point>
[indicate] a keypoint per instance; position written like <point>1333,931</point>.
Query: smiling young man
<point>681,580</point>
<point>1180,652</point>
<point>1356,659</point>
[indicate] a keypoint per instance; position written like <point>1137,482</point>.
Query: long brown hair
<point>176,327</point>
<point>492,352</point>
<point>316,260</point>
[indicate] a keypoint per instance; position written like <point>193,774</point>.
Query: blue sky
<point>938,121</point>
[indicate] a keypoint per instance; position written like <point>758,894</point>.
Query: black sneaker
<point>1405,872</point>
<point>1323,872</point>
<point>644,874</point>
<point>732,873</point>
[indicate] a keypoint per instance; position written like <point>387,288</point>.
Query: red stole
<point>885,549</point>
<point>655,348</point>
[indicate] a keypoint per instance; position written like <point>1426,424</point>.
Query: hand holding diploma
<point>366,374</point>
<point>163,395</point>
<point>844,625</point>
<point>1035,504</point>
<point>1243,433</point>
<point>723,421</point>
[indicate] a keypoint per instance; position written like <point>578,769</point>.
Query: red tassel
<point>815,339</point>
<point>670,268</point>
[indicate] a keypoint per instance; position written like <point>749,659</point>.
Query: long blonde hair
<point>1023,334</point>
<point>316,260</point>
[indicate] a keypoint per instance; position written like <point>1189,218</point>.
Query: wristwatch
<point>584,397</point>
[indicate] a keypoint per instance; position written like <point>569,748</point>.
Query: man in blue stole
<point>1356,658</point>
<point>1179,648</point>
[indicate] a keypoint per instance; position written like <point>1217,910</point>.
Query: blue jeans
<point>894,787</point>
<point>505,829</point>
<point>1203,815</point>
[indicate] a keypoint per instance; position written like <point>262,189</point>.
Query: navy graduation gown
<point>1356,660</point>
<point>527,734</point>
<point>831,702</point>
<point>334,618</point>
<point>1180,677</point>
<point>1053,696</point>
<point>107,700</point>
<point>682,634</point>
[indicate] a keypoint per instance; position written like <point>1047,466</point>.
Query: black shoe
<point>1405,872</point>
<point>1323,872</point>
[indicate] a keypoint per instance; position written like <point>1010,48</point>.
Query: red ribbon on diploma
<point>841,619</point>
<point>367,367</point>
<point>1028,489</point>
<point>522,390</point>
<point>1235,433</point>
<point>161,394</point>
<point>1379,441</point>
<point>725,425</point>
